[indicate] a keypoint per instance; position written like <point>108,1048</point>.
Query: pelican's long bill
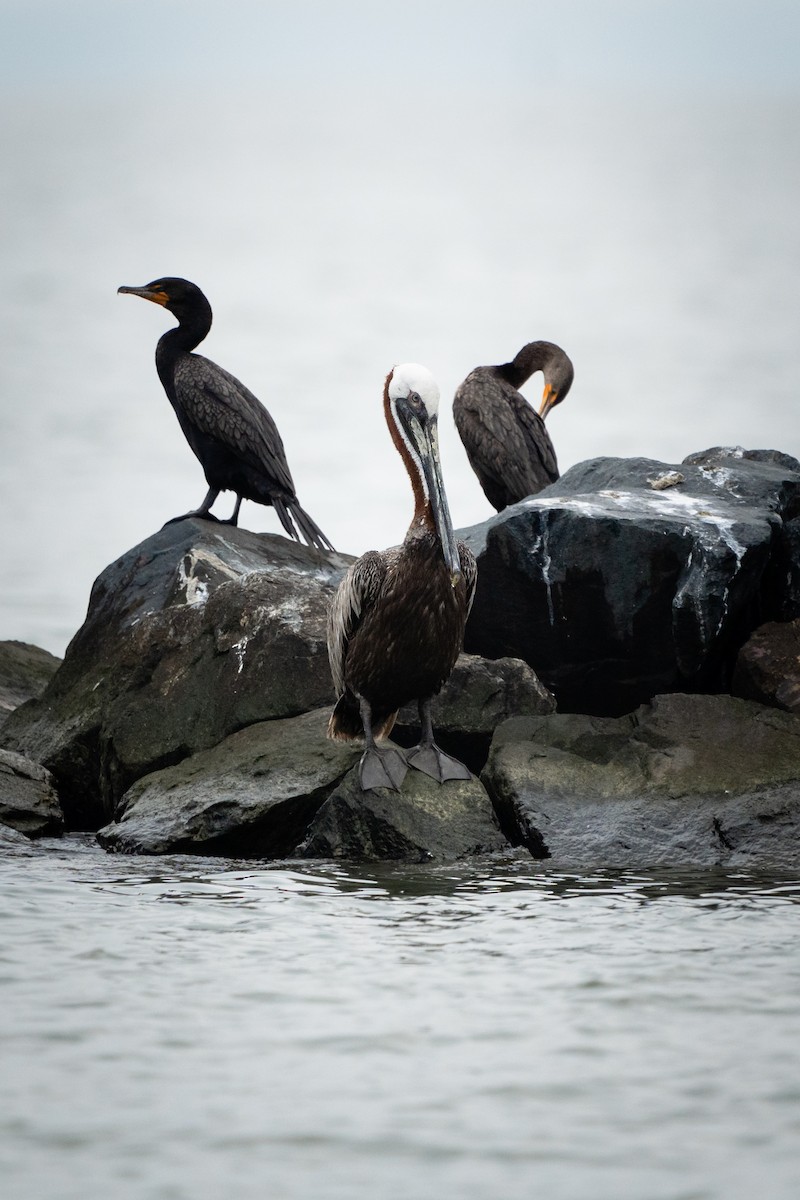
<point>424,437</point>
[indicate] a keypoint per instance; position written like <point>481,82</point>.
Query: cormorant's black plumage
<point>229,430</point>
<point>506,442</point>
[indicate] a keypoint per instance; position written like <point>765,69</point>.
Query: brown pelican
<point>506,442</point>
<point>229,430</point>
<point>396,624</point>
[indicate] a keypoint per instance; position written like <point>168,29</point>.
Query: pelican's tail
<point>345,721</point>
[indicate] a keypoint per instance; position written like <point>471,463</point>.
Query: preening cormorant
<point>396,624</point>
<point>229,430</point>
<point>506,442</point>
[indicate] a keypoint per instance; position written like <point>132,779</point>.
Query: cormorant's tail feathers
<point>290,514</point>
<point>308,527</point>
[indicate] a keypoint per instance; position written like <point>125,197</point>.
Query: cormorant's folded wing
<point>221,407</point>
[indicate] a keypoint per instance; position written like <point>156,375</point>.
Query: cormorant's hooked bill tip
<point>549,400</point>
<point>157,295</point>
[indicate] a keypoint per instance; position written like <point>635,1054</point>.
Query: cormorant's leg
<point>234,520</point>
<point>384,767</point>
<point>202,511</point>
<point>428,757</point>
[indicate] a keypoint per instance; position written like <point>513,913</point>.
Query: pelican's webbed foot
<point>432,760</point>
<point>382,768</point>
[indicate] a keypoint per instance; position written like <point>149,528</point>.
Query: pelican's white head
<point>411,378</point>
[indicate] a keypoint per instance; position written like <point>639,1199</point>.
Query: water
<point>187,1028</point>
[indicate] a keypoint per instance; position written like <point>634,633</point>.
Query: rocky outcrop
<point>768,666</point>
<point>256,793</point>
<point>252,796</point>
<point>199,631</point>
<point>629,577</point>
<point>28,801</point>
<point>424,822</point>
<point>189,711</point>
<point>25,671</point>
<point>686,780</point>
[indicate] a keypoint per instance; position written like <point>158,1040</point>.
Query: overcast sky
<point>740,45</point>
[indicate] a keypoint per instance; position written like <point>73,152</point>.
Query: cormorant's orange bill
<point>157,296</point>
<point>549,400</point>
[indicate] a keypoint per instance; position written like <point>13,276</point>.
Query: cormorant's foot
<point>433,761</point>
<point>204,516</point>
<point>382,768</point>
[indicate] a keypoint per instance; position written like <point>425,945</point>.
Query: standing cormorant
<point>506,442</point>
<point>229,430</point>
<point>396,624</point>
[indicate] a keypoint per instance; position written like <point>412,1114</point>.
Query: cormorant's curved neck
<point>531,358</point>
<point>193,326</point>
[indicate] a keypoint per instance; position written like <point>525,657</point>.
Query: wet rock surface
<point>630,577</point>
<point>424,822</point>
<point>28,800</point>
<point>199,631</point>
<point>706,780</point>
<point>252,796</point>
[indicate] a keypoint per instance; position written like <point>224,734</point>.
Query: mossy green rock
<point>706,780</point>
<point>251,796</point>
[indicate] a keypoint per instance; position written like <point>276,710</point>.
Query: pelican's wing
<point>221,407</point>
<point>356,593</point>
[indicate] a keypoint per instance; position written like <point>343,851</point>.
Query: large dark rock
<point>28,800</point>
<point>252,796</point>
<point>686,780</point>
<point>478,696</point>
<point>768,666</point>
<point>197,632</point>
<point>425,822</point>
<point>630,577</point>
<point>25,671</point>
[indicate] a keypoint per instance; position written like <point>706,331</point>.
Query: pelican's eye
<point>415,402</point>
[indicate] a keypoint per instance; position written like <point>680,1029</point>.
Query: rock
<point>478,696</point>
<point>424,822</point>
<point>768,666</point>
<point>14,843</point>
<point>686,780</point>
<point>251,796</point>
<point>615,588</point>
<point>28,801</point>
<point>25,671</point>
<point>197,632</point>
